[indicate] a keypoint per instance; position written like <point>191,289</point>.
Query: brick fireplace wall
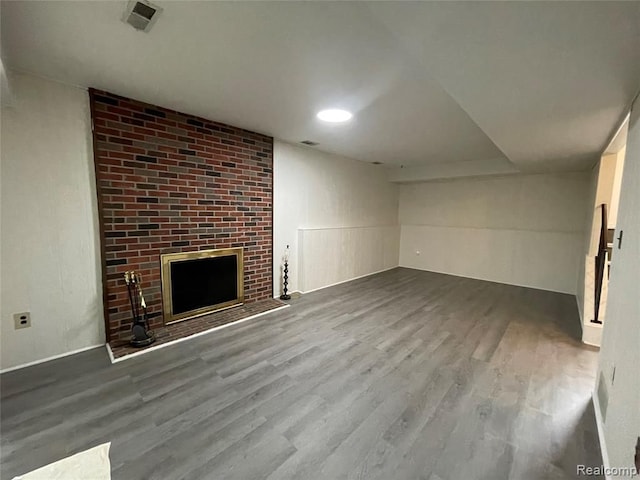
<point>170,182</point>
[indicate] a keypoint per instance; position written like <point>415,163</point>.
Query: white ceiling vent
<point>141,14</point>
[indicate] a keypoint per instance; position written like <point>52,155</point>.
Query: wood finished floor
<point>401,375</point>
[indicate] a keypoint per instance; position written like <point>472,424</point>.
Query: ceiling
<point>535,86</point>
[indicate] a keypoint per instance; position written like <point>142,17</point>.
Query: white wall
<point>50,244</point>
<point>617,185</point>
<point>621,333</point>
<point>586,270</point>
<point>606,178</point>
<point>345,211</point>
<point>519,229</point>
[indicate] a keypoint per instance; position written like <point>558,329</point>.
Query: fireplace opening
<point>202,283</point>
<point>196,283</point>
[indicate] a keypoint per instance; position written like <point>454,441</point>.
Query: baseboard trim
<point>348,280</point>
<point>184,339</point>
<point>601,438</point>
<point>48,359</point>
<point>580,315</point>
<point>592,334</point>
<point>489,280</point>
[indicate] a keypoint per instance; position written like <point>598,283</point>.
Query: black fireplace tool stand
<point>285,283</point>
<point>141,336</point>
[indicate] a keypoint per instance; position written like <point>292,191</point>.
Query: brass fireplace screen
<point>197,283</point>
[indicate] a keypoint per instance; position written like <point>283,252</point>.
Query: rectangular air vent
<point>141,14</point>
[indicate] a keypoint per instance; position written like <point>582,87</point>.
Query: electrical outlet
<point>22,320</point>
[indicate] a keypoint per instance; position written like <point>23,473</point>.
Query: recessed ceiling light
<point>334,115</point>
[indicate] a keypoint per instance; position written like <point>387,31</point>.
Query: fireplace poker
<point>143,304</point>
<point>128,280</point>
<point>136,299</point>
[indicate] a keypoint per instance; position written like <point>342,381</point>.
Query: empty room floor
<point>400,375</point>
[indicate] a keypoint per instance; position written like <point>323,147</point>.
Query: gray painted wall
<point>519,229</point>
<point>621,334</point>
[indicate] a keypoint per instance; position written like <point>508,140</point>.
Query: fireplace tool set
<point>141,336</point>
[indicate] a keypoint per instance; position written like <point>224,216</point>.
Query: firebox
<point>197,283</point>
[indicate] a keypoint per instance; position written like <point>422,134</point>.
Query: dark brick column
<point>170,182</point>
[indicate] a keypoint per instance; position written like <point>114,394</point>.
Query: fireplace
<point>201,282</point>
<point>174,183</point>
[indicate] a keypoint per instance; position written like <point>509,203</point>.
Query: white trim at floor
<point>48,359</point>
<point>489,280</point>
<point>600,427</point>
<point>580,315</point>
<point>591,344</point>
<point>178,340</point>
<point>592,334</point>
<point>349,280</point>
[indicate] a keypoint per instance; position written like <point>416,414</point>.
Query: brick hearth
<point>175,331</point>
<point>170,182</point>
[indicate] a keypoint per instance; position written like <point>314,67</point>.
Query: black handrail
<point>601,262</point>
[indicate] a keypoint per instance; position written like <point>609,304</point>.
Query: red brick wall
<point>170,182</point>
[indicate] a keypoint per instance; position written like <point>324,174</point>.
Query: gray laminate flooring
<point>400,375</point>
